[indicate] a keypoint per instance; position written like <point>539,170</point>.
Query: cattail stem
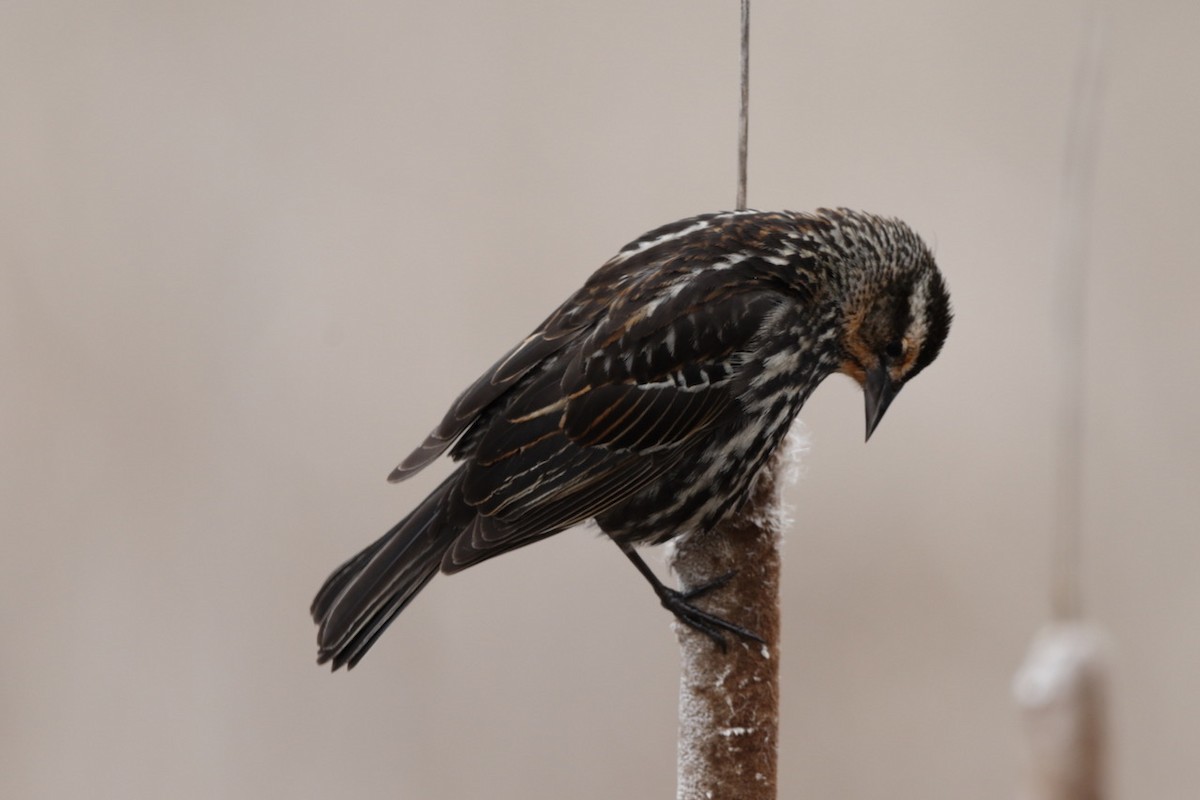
<point>729,700</point>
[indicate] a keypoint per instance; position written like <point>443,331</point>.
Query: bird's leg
<point>679,603</point>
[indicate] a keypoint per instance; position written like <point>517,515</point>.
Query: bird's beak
<point>879,391</point>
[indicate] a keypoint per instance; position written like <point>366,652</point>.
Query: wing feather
<point>483,392</point>
<point>588,495</point>
<point>577,442</point>
<point>593,407</point>
<point>674,372</point>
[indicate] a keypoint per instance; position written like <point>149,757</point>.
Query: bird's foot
<point>680,604</point>
<point>712,626</point>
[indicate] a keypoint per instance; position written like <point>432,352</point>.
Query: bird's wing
<point>638,271</point>
<point>629,403</point>
<point>576,314</point>
<point>655,377</point>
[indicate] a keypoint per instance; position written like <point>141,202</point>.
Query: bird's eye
<point>894,350</point>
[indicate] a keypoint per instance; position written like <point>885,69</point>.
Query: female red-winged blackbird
<point>651,399</point>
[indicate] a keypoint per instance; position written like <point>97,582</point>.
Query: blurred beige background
<point>249,251</point>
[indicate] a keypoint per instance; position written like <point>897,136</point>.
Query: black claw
<point>705,588</point>
<point>709,624</point>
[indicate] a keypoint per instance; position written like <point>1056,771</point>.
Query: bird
<point>651,399</point>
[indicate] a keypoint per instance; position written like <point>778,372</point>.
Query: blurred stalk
<point>744,109</point>
<point>1062,691</point>
<point>1075,209</point>
<point>1062,686</point>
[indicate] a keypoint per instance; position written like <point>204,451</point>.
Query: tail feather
<point>343,576</point>
<point>361,598</point>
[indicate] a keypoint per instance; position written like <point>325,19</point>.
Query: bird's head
<point>896,309</point>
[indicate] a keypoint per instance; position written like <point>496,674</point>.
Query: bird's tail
<point>361,598</point>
